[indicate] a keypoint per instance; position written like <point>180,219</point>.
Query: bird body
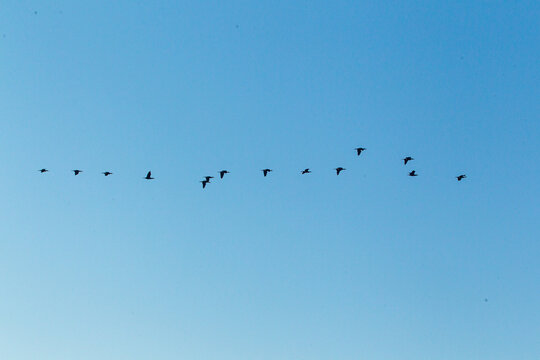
<point>359,150</point>
<point>306,171</point>
<point>43,170</point>
<point>407,159</point>
<point>207,178</point>
<point>222,173</point>
<point>413,173</point>
<point>339,169</point>
<point>149,176</point>
<point>107,173</point>
<point>461,177</point>
<point>77,172</point>
<point>266,171</point>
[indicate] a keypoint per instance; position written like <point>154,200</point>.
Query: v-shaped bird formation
<point>265,172</point>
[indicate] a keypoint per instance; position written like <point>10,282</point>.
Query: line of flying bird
<point>265,172</point>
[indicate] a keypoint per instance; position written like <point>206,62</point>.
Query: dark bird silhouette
<point>407,159</point>
<point>339,169</point>
<point>266,171</point>
<point>77,172</point>
<point>149,176</point>
<point>306,171</point>
<point>359,150</point>
<point>204,182</point>
<point>43,170</point>
<point>107,173</point>
<point>222,173</point>
<point>461,177</point>
<point>413,173</point>
<point>207,178</point>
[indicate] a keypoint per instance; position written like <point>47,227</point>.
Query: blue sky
<point>372,264</point>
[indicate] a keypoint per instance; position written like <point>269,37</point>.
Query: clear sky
<point>372,264</point>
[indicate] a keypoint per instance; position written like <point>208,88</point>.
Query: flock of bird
<point>265,172</point>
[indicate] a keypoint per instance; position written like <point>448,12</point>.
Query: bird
<point>107,173</point>
<point>339,169</point>
<point>149,176</point>
<point>207,178</point>
<point>407,159</point>
<point>359,150</point>
<point>266,171</point>
<point>222,173</point>
<point>204,182</point>
<point>43,170</point>
<point>77,172</point>
<point>461,177</point>
<point>413,173</point>
<point>306,171</point>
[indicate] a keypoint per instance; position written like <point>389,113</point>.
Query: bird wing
<point>149,174</point>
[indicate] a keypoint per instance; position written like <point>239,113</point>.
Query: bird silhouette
<point>77,172</point>
<point>306,171</point>
<point>359,150</point>
<point>407,159</point>
<point>461,177</point>
<point>107,173</point>
<point>222,173</point>
<point>207,178</point>
<point>413,173</point>
<point>266,171</point>
<point>43,170</point>
<point>149,176</point>
<point>204,182</point>
<point>339,169</point>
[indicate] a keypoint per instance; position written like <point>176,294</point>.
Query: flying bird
<point>149,176</point>
<point>413,173</point>
<point>207,178</point>
<point>107,173</point>
<point>461,177</point>
<point>306,171</point>
<point>339,169</point>
<point>266,171</point>
<point>407,159</point>
<point>43,170</point>
<point>77,172</point>
<point>222,173</point>
<point>204,182</point>
<point>359,150</point>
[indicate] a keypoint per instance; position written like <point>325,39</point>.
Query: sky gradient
<point>372,264</point>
